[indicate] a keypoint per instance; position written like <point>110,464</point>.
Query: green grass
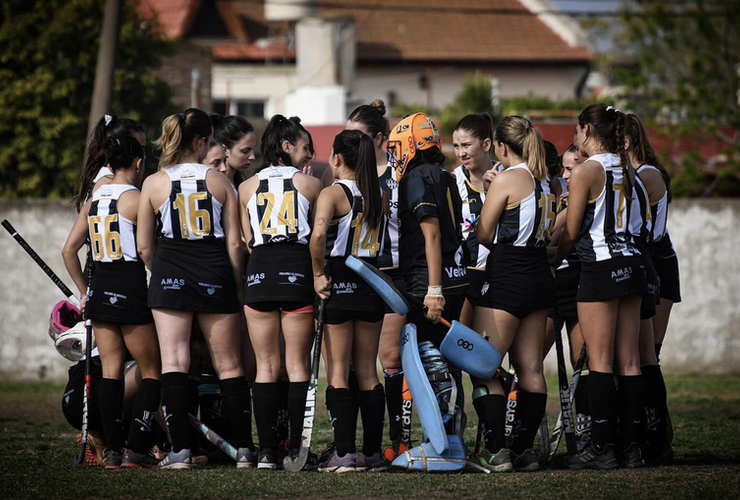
<point>36,448</point>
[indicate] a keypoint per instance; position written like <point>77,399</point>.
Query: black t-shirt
<point>430,191</point>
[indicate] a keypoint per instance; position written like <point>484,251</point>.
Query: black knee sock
<point>296,408</point>
<point>342,414</point>
<point>283,389</point>
<point>266,399</point>
<point>354,388</point>
<point>372,410</point>
<point>394,400</point>
<point>175,407</point>
<point>631,396</point>
<point>653,427</point>
<point>583,414</point>
<point>491,410</point>
<point>110,399</point>
<point>146,405</point>
<point>530,407</point>
<point>237,407</point>
<point>601,397</point>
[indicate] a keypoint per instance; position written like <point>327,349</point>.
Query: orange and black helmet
<point>414,133</point>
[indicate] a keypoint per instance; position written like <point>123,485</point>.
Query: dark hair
<point>179,133</point>
<point>228,130</point>
<point>278,130</point>
<point>571,149</point>
<point>643,150</point>
<point>95,153</point>
<point>122,151</point>
<point>607,124</point>
<point>431,156</point>
<point>518,133</point>
<point>553,161</point>
<point>358,152</point>
<point>373,117</point>
<point>311,147</point>
<point>480,125</point>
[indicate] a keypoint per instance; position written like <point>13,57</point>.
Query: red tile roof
<point>481,31</point>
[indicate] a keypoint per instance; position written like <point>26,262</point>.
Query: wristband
<point>434,291</point>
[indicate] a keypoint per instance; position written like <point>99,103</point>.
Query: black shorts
<point>611,279</point>
<point>670,282</point>
<point>566,288</point>
<point>338,316</point>
<point>193,276</point>
<point>476,279</point>
<point>118,294</point>
<point>351,294</point>
<point>518,281</point>
<point>73,394</point>
<point>280,273</point>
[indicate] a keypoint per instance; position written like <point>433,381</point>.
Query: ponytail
<point>95,151</point>
<point>518,133</point>
<point>179,133</point>
<point>534,153</point>
<point>122,151</point>
<point>643,150</point>
<point>358,152</point>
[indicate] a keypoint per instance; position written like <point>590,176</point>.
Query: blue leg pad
<point>469,351</point>
<point>425,458</point>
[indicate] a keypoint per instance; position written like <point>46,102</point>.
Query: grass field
<point>37,445</point>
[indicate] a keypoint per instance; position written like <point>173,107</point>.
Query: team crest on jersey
<point>187,174</point>
<point>172,283</point>
<point>391,183</point>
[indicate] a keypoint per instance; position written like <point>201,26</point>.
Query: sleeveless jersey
<point>528,222</point>
<point>658,210</point>
<point>641,220</point>
<point>278,213</point>
<point>350,234</point>
<point>112,236</point>
<point>191,212</point>
<point>389,257</point>
<point>605,230</point>
<point>472,204</point>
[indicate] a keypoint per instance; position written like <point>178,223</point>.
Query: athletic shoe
<point>246,458</point>
<point>327,452</point>
<point>499,462</point>
<point>526,462</point>
<point>630,458</point>
<point>180,460</point>
<point>583,439</point>
<point>335,463</point>
<point>371,463</point>
<point>591,458</point>
<point>654,455</point>
<point>92,454</point>
<point>267,459</point>
<point>134,460</point>
<point>111,459</point>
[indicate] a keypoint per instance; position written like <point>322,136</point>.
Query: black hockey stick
<point>560,425</point>
<point>295,465</point>
<point>566,409</point>
<point>88,379</point>
<point>38,260</point>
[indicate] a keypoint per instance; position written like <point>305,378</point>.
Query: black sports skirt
<point>611,279</point>
<point>118,294</point>
<point>518,281</point>
<point>670,281</point>
<point>350,293</point>
<point>280,272</point>
<point>566,285</point>
<point>193,276</point>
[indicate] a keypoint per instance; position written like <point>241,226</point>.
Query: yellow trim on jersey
<point>512,206</point>
<point>479,191</point>
<point>425,203</point>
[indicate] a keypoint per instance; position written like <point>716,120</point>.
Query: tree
<point>48,51</point>
<point>679,64</point>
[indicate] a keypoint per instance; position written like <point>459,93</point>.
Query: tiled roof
<point>174,16</point>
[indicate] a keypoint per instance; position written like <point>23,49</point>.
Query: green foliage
<point>402,110</point>
<point>543,107</point>
<point>682,68</point>
<point>48,53</point>
<point>474,97</point>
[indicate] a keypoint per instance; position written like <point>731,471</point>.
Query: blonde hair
<point>179,133</point>
<point>518,133</point>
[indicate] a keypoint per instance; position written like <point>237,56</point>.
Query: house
<point>318,59</point>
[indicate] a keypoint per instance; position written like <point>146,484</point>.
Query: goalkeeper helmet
<point>414,133</point>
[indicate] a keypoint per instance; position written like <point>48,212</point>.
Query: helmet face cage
<point>413,133</point>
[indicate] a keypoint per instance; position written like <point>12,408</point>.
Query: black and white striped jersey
<point>472,204</point>
<point>278,213</point>
<point>641,218</point>
<point>350,233</point>
<point>112,236</point>
<point>191,212</point>
<point>605,230</point>
<point>389,257</point>
<point>658,210</point>
<point>530,221</point>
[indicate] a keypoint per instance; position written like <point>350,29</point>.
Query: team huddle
<point>244,260</point>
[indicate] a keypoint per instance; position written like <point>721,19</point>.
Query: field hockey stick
<point>88,378</point>
<point>295,465</point>
<point>565,406</point>
<point>214,438</point>
<point>38,260</point>
<point>559,425</point>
